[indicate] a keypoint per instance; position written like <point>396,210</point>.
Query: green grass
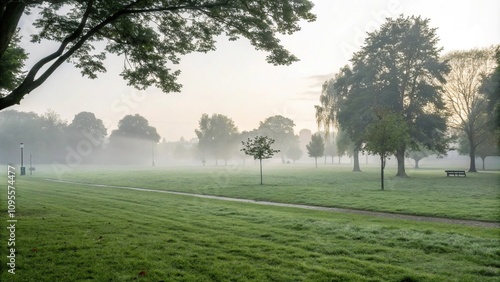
<point>425,192</point>
<point>68,232</point>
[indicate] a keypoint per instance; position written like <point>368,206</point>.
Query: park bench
<point>455,172</point>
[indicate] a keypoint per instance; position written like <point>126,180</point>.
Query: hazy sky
<point>236,81</point>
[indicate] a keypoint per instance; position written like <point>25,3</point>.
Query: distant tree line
<point>220,139</point>
<point>86,140</point>
<point>49,139</point>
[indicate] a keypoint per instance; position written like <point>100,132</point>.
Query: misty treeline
<point>50,139</point>
<point>220,139</point>
<point>86,140</point>
<point>446,102</point>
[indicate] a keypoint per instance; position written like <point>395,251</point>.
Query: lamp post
<point>23,170</point>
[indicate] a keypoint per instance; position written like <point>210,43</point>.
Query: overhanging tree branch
<point>30,83</point>
<point>77,24</point>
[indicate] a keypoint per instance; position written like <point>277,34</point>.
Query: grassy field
<point>425,192</point>
<point>68,232</point>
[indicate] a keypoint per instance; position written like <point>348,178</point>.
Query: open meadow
<point>76,232</point>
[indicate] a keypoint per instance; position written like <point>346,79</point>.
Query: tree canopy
<point>86,124</point>
<point>280,129</point>
<point>217,135</point>
<point>151,36</point>
<point>398,68</point>
<point>135,127</point>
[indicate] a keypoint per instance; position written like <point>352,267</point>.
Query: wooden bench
<point>455,172</point>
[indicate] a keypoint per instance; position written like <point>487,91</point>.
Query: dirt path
<point>319,208</point>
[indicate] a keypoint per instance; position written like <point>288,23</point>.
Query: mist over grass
<point>425,192</point>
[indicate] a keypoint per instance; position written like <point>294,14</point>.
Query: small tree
<point>316,147</point>
<point>259,148</point>
<point>385,136</point>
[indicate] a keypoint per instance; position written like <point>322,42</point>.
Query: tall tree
<point>259,148</point>
<point>399,68</point>
<point>467,105</point>
<point>150,35</point>
<point>316,147</point>
<point>86,134</point>
<point>217,136</point>
<point>385,136</point>
<point>133,142</point>
<point>86,126</point>
<point>135,127</point>
<point>280,129</point>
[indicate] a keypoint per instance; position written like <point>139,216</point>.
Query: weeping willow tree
<point>333,113</point>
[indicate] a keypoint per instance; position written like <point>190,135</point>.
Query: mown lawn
<point>425,192</point>
<point>68,232</point>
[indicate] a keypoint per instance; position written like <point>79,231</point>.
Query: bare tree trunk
<point>472,165</point>
<point>472,152</point>
<point>483,162</point>
<point>416,163</point>
<point>400,156</point>
<point>355,155</point>
<point>382,165</point>
<point>260,171</point>
<point>316,161</point>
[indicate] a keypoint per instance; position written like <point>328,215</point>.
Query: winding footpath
<point>476,223</point>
